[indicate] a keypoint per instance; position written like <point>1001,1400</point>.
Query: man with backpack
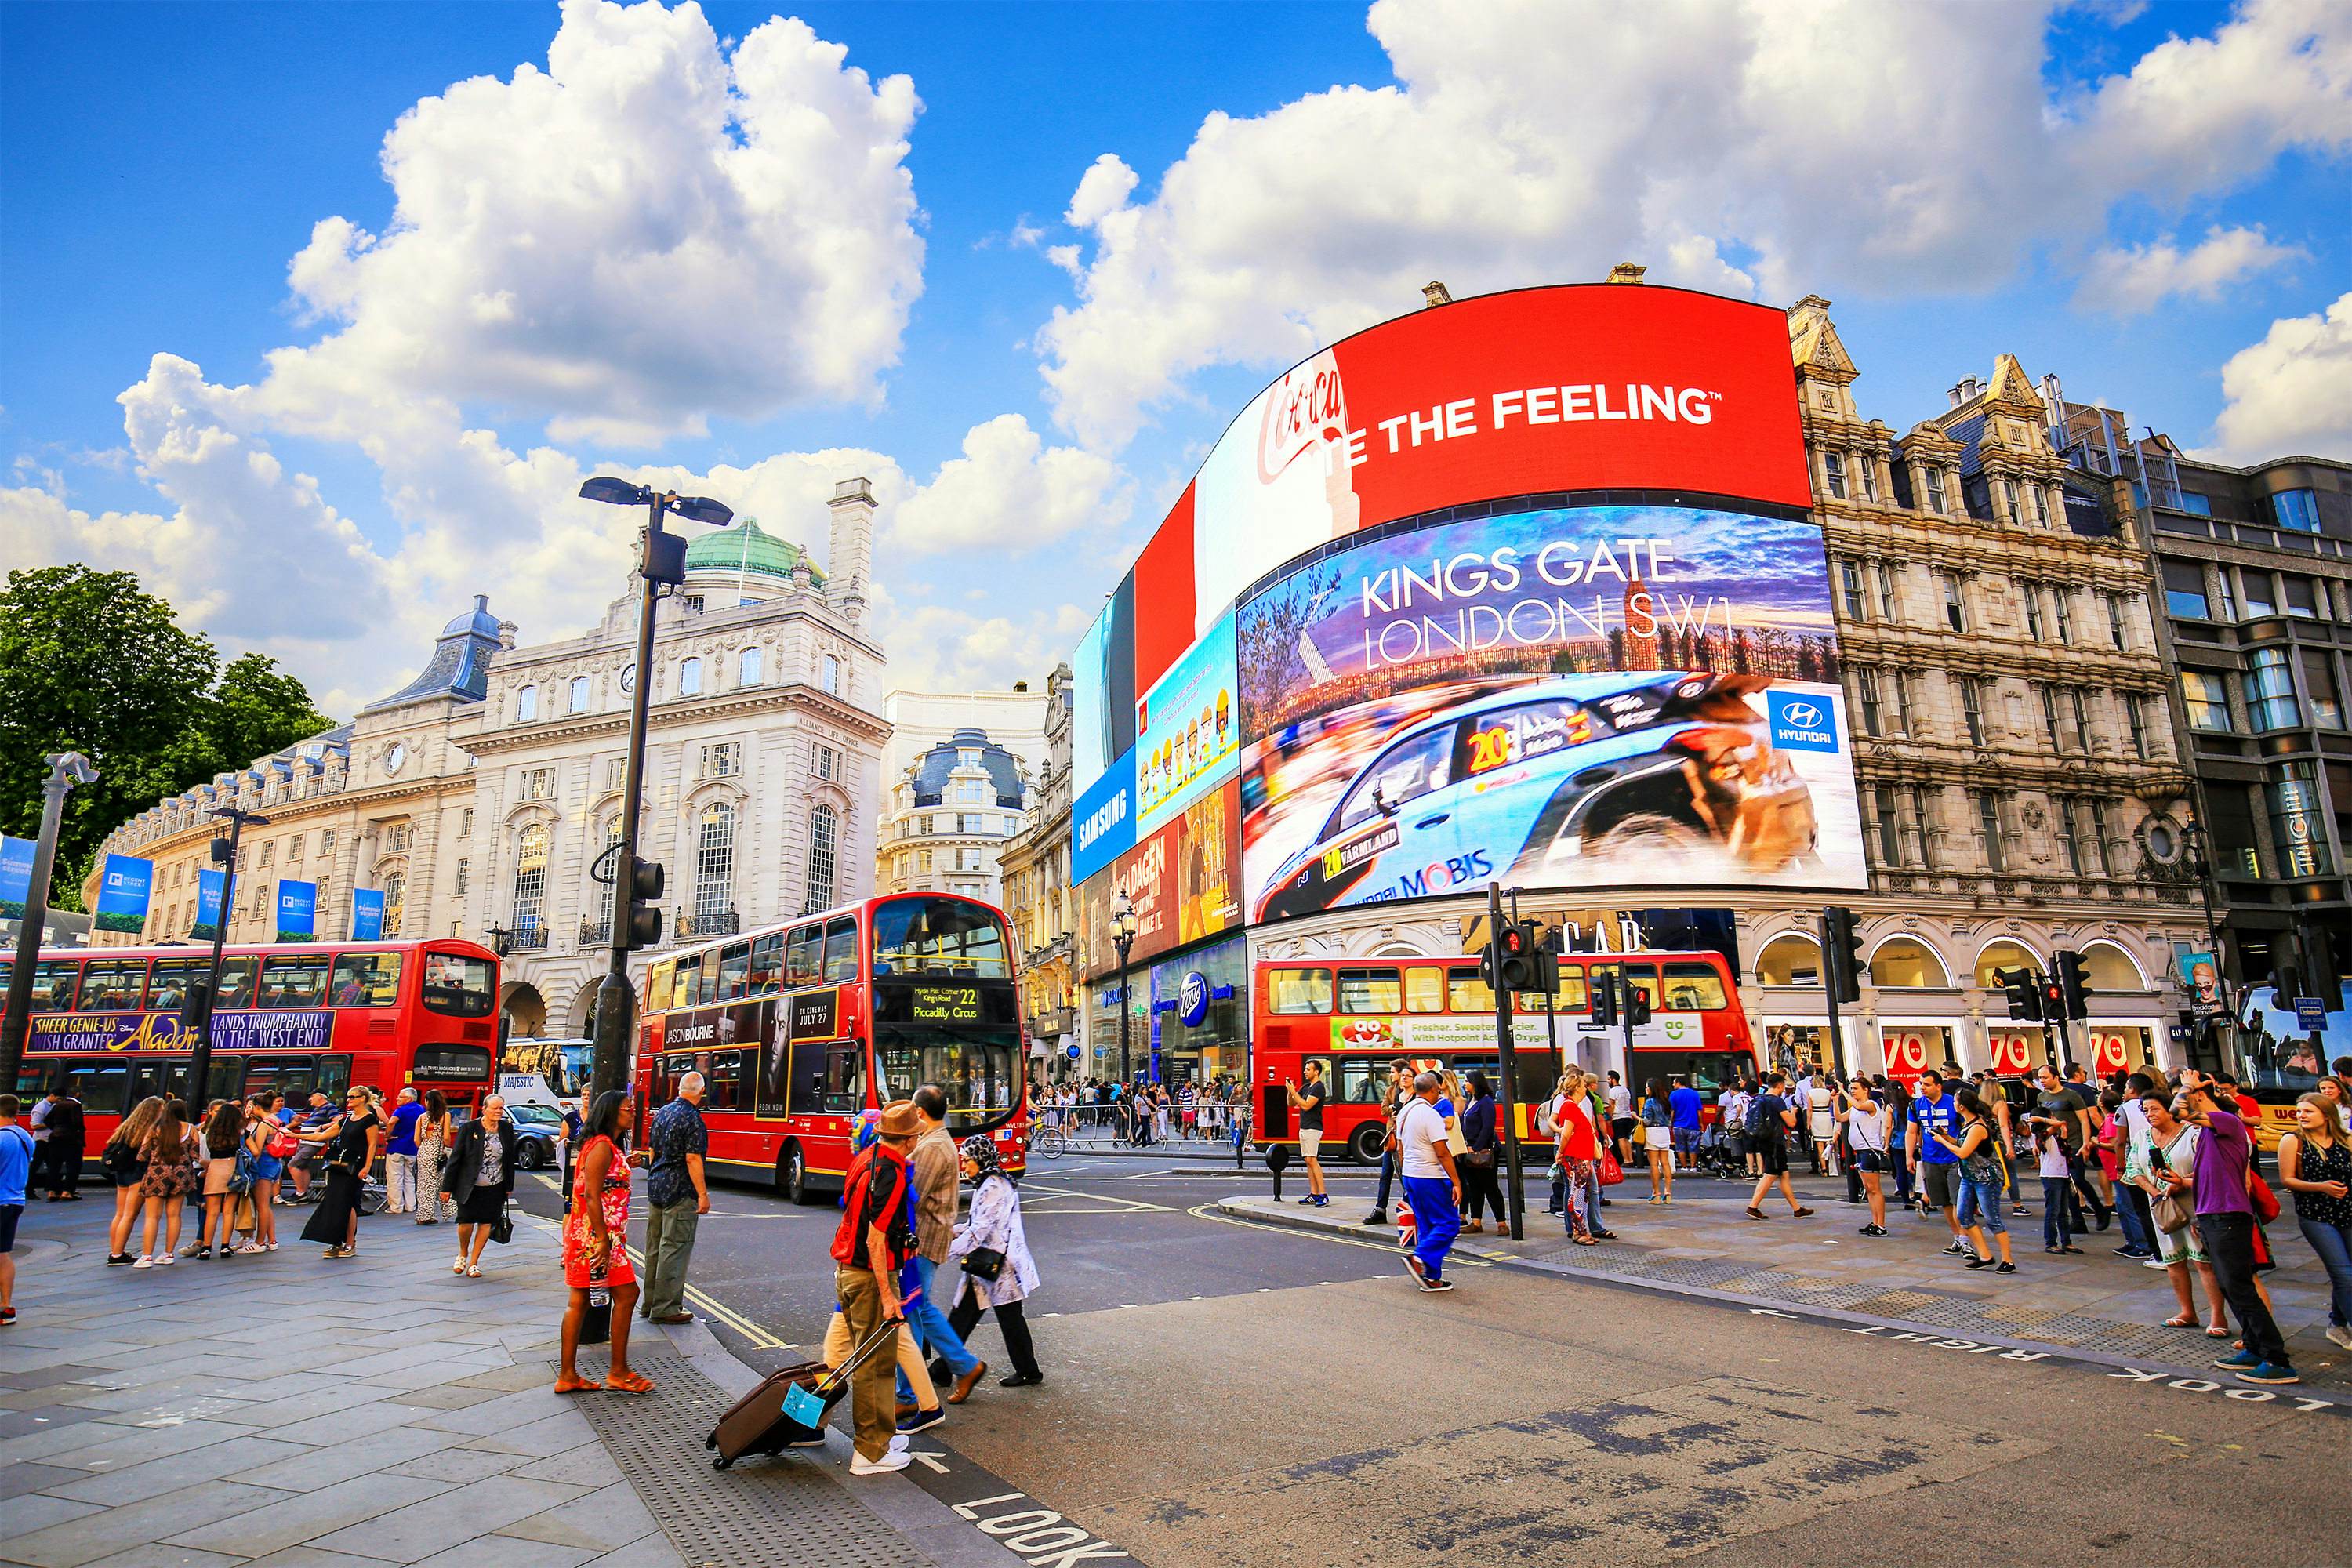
<point>872,1242</point>
<point>1771,1119</point>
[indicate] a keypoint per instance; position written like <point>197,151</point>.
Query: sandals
<point>629,1383</point>
<point>576,1385</point>
<point>473,1271</point>
<point>2181,1320</point>
<point>2216,1332</point>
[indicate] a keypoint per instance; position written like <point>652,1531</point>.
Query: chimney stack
<point>1627,272</point>
<point>850,564</point>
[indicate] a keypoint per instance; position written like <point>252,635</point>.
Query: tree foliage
<point>90,662</point>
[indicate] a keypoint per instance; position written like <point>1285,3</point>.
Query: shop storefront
<point>1200,1015</point>
<point>1914,1046</point>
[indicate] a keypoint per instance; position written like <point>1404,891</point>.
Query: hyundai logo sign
<point>1802,722</point>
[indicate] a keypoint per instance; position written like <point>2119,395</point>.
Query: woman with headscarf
<point>993,1237</point>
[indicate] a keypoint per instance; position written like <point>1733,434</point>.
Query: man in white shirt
<point>1432,1183</point>
<point>1621,1118</point>
<point>2131,1200</point>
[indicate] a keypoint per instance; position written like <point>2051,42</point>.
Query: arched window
<point>2000,955</point>
<point>2109,969</point>
<point>531,878</point>
<point>714,865</point>
<point>1789,960</point>
<point>689,678</point>
<point>829,675</point>
<point>1907,965</point>
<point>825,829</point>
<point>747,668</point>
<point>395,900</point>
<point>579,694</point>
<point>527,705</point>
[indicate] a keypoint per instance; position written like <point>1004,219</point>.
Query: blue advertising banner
<point>291,1031</point>
<point>209,887</point>
<point>298,911</point>
<point>367,914</point>
<point>122,892</point>
<point>1103,822</point>
<point>15,876</point>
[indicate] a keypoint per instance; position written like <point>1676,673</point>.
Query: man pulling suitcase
<point>868,1249</point>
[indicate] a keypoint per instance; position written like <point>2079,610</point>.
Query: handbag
<point>1612,1172</point>
<point>240,1174</point>
<point>1479,1159</point>
<point>984,1263</point>
<point>2265,1202</point>
<point>2171,1211</point>
<point>502,1227</point>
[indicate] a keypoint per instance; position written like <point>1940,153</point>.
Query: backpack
<point>857,1194</point>
<point>1759,1119</point>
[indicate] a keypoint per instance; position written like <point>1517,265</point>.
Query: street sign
<point>2311,1013</point>
<point>1074,1053</point>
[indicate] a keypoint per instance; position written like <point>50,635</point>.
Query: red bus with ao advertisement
<point>1355,1016</point>
<point>798,1027</point>
<point>293,1017</point>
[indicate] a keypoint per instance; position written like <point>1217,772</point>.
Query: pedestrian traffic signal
<point>2073,987</point>
<point>2319,962</point>
<point>1637,1005</point>
<point>1522,968</point>
<point>196,1005</point>
<point>1604,999</point>
<point>1841,955</point>
<point>644,926</point>
<point>2024,988</point>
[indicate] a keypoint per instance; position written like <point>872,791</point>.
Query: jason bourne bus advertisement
<point>1556,697</point>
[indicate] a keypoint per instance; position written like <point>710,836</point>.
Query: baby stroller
<point>1715,1157</point>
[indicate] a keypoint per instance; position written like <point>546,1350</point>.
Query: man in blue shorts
<point>1685,1102</point>
<point>15,1170</point>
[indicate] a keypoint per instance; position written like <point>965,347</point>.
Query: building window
<point>1899,687</point>
<point>269,853</point>
<point>2030,595</point>
<point>2096,839</point>
<point>395,902</point>
<point>395,840</point>
<point>968,860</point>
<point>2229,603</point>
<point>2256,588</point>
<point>723,761</point>
<point>2320,689</point>
<point>1972,708</point>
<point>2115,632</point>
<point>579,694</point>
<point>1955,609</point>
<point>616,772</point>
<point>527,705</point>
<point>714,864</point>
<point>2208,701</point>
<point>689,678</point>
<point>922,860</point>
<point>326,840</point>
<point>829,675</point>
<point>1833,474</point>
<point>539,784</point>
<point>1850,590</point>
<point>1868,465</point>
<point>1867,698</point>
<point>530,878</point>
<point>2135,716</point>
<point>2298,830</point>
<point>464,868</point>
<point>2061,620</point>
<point>2009,493</point>
<point>1890,829</point>
<point>823,833</point>
<point>2082,718</point>
<point>1935,486</point>
<point>1887,604</point>
<point>1989,828</point>
<point>828,763</point>
<point>747,668</point>
<point>466,823</point>
<point>2184,590</point>
<point>2061,820</point>
<point>2297,511</point>
<point>2050,716</point>
<point>2269,690</point>
<point>2301,602</point>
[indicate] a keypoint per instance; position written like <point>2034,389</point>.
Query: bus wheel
<point>791,1175</point>
<point>1366,1146</point>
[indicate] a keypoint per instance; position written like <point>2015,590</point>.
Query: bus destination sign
<point>945,1003</point>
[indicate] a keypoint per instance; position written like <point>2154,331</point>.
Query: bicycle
<point>1050,1140</point>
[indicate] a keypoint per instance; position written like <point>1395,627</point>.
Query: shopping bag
<point>1612,1172</point>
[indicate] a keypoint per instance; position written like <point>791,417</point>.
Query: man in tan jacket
<point>938,1177</point>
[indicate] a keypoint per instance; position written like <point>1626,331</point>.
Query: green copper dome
<point>748,548</point>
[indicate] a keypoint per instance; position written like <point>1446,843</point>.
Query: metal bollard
<point>1277,1160</point>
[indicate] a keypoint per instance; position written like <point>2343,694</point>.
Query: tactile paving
<point>779,1512</point>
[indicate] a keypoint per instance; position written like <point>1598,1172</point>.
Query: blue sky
<point>2129,195</point>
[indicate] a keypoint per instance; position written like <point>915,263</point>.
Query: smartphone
<point>2155,1159</point>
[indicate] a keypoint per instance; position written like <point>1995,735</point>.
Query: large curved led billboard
<point>1543,532</point>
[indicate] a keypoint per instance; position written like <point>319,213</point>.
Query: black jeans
<point>2228,1241</point>
<point>2075,1172</point>
<point>65,1164</point>
<point>1010,1322</point>
<point>1388,1179</point>
<point>1481,1186</point>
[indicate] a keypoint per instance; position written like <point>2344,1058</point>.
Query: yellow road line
<point>711,1305</point>
<point>1206,1211</point>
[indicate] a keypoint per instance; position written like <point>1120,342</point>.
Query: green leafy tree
<point>92,663</point>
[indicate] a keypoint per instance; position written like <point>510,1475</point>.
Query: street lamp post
<point>662,560</point>
<point>200,1057</point>
<point>66,769</point>
<point>1123,927</point>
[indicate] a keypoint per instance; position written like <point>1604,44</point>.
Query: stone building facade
<point>1038,900</point>
<point>960,773</point>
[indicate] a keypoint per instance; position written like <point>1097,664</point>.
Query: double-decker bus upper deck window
<point>685,980</point>
<point>734,971</point>
<point>841,951</point>
<point>367,980</point>
<point>458,986</point>
<point>805,955</point>
<point>767,963</point>
<point>113,985</point>
<point>1465,993</point>
<point>1424,989</point>
<point>658,985</point>
<point>53,980</point>
<point>295,981</point>
<point>1694,988</point>
<point>1298,990</point>
<point>939,936</point>
<point>706,988</point>
<point>238,976</point>
<point>167,983</point>
<point>1371,991</point>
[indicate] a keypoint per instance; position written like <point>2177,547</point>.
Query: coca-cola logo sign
<point>1304,409</point>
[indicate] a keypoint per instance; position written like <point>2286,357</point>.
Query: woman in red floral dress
<point>597,1243</point>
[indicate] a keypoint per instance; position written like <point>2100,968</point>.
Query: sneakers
<point>1986,1263</point>
<point>1755,1213</point>
<point>1323,1202</point>
<point>2237,1360</point>
<point>2339,1334</point>
<point>164,1261</point>
<point>1433,1285</point>
<point>1418,1270</point>
<point>922,1420</point>
<point>2004,1268</point>
<point>896,1460</point>
<point>119,1260</point>
<point>144,1261</point>
<point>1873,1230</point>
<point>2268,1372</point>
<point>1958,1249</point>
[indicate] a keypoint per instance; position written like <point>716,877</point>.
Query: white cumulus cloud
<point>2132,280</point>
<point>2291,394</point>
<point>1010,491</point>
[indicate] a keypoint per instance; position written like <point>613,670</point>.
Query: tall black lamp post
<point>66,770</point>
<point>198,1010</point>
<point>636,892</point>
<point>1123,927</point>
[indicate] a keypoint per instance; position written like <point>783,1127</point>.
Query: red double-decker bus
<point>294,1016</point>
<point>1355,1017</point>
<point>796,1027</point>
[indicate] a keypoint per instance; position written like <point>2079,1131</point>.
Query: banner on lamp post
<point>16,877</point>
<point>210,884</point>
<point>298,911</point>
<point>122,892</point>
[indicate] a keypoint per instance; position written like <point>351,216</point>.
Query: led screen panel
<point>1188,735</point>
<point>1562,697</point>
<point>1183,881</point>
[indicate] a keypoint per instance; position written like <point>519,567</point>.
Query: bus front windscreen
<point>939,936</point>
<point>978,1068</point>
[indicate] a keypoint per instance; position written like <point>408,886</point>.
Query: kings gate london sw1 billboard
<point>1623,669</point>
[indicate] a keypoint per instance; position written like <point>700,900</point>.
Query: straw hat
<point>898,1120</point>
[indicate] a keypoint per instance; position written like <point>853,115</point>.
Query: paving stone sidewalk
<point>289,1411</point>
<point>2096,1305</point>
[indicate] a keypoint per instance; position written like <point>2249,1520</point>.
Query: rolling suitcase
<point>790,1407</point>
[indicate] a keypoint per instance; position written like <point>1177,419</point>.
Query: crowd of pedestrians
<point>1207,1112</point>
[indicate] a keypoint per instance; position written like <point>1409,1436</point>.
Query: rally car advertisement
<point>1563,698</point>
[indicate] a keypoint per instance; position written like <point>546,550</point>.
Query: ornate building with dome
<point>478,796</point>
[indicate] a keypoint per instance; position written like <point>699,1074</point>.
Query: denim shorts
<point>1980,1205</point>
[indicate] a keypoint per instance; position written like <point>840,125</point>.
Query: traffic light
<point>1841,955</point>
<point>2319,962</point>
<point>2024,990</point>
<point>644,925</point>
<point>2073,988</point>
<point>1637,1005</point>
<point>196,1005</point>
<point>1522,966</point>
<point>1604,999</point>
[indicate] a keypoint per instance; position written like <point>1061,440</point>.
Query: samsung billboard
<point>1434,581</point>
